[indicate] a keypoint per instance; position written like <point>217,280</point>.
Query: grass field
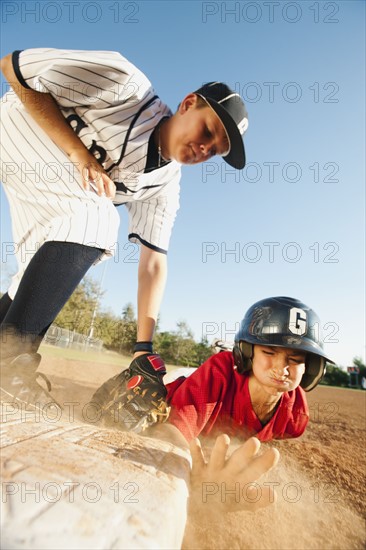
<point>104,357</point>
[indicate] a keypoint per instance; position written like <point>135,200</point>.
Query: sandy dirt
<point>320,480</point>
<point>320,485</point>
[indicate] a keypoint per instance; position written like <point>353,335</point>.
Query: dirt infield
<point>320,481</point>
<point>320,486</point>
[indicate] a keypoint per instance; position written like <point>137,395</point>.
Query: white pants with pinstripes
<point>46,198</point>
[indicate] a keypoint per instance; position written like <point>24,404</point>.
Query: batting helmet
<point>287,322</point>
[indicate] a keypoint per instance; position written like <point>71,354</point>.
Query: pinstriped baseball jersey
<point>113,109</point>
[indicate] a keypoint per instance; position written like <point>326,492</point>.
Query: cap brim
<point>236,156</point>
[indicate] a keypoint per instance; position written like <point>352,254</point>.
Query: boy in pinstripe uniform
<point>83,131</point>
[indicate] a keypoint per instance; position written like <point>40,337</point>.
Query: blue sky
<point>292,222</point>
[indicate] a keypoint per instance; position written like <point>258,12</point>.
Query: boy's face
<point>278,369</point>
<point>197,134</point>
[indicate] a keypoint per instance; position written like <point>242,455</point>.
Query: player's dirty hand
<point>231,484</point>
<point>134,400</point>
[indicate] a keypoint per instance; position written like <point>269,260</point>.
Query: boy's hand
<point>230,484</point>
<point>93,176</point>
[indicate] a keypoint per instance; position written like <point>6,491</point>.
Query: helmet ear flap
<point>314,371</point>
<point>243,352</point>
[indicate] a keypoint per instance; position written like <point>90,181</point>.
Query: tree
<point>184,344</point>
<point>128,313</point>
<point>180,348</point>
<point>358,362</point>
<point>106,328</point>
<point>165,344</point>
<point>77,313</point>
<point>127,330</point>
<point>203,351</point>
<point>184,332</point>
<point>335,376</point>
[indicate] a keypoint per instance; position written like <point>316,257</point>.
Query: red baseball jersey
<point>215,399</point>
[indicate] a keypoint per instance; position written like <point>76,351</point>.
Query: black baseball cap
<point>230,108</point>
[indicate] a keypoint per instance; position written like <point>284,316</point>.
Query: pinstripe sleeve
<point>151,221</point>
<point>80,78</point>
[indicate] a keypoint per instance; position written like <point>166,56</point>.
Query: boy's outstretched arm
<point>221,483</point>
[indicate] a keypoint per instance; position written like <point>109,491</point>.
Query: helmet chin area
<point>314,371</point>
<point>243,353</point>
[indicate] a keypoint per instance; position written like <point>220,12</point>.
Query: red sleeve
<point>196,401</point>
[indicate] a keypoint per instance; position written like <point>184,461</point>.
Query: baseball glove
<point>134,400</point>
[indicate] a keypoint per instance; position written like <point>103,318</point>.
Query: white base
<point>74,485</point>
